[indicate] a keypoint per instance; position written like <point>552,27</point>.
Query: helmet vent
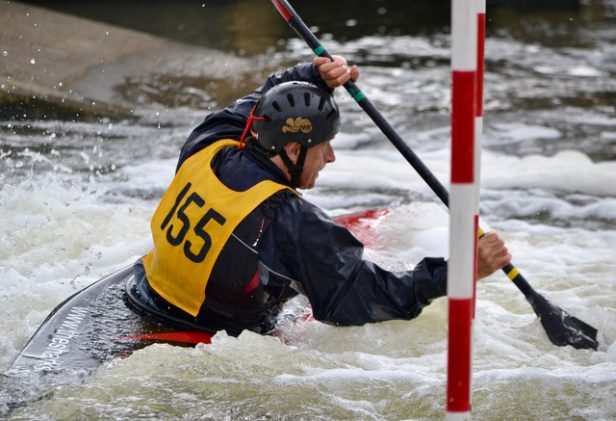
<point>321,104</point>
<point>291,100</point>
<point>276,106</point>
<point>330,114</point>
<point>307,99</point>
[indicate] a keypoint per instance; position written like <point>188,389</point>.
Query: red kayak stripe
<point>187,337</point>
<point>253,284</point>
<point>351,219</point>
<point>359,223</point>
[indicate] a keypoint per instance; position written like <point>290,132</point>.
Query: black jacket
<point>293,247</point>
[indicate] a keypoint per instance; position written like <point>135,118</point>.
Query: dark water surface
<point>250,27</point>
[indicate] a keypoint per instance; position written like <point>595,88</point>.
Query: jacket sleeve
<point>229,123</point>
<point>345,289</point>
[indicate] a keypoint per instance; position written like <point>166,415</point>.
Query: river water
<point>76,199</point>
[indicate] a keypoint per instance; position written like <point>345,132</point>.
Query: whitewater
<point>76,200</point>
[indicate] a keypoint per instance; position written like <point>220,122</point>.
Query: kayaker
<point>234,240</point>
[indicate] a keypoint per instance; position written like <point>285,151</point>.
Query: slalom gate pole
<point>463,207</point>
<point>481,31</point>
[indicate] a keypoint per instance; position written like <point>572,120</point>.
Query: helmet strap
<point>295,170</point>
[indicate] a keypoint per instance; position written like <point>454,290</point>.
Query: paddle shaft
<point>308,36</point>
<point>295,22</point>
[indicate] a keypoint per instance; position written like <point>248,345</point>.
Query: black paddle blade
<point>562,328</point>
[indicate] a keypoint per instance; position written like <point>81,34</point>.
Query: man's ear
<point>293,149</point>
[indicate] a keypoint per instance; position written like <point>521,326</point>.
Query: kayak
<point>94,325</point>
<point>99,324</point>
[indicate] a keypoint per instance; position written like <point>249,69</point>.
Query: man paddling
<point>234,240</point>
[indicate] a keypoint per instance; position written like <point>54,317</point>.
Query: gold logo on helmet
<point>295,125</point>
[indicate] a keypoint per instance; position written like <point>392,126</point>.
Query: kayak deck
<point>89,328</point>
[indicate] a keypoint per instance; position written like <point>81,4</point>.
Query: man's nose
<point>331,155</point>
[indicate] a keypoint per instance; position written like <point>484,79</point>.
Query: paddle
<point>562,328</point>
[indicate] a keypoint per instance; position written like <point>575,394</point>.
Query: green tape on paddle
<point>319,50</point>
<point>357,94</point>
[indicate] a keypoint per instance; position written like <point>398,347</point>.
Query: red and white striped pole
<point>481,31</point>
<point>463,197</point>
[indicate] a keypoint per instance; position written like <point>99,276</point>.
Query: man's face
<point>316,159</point>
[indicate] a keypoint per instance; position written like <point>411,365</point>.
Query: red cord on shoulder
<point>251,118</point>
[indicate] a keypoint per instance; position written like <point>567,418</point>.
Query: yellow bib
<point>192,223</point>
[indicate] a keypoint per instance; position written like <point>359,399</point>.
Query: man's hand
<point>336,73</point>
<point>492,255</point>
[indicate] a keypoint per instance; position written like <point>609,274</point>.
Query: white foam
<point>55,239</point>
<point>567,171</point>
<point>154,174</point>
<point>585,71</point>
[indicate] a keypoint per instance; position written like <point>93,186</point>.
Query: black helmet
<point>294,112</point>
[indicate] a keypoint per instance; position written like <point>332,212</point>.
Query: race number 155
<point>180,219</point>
